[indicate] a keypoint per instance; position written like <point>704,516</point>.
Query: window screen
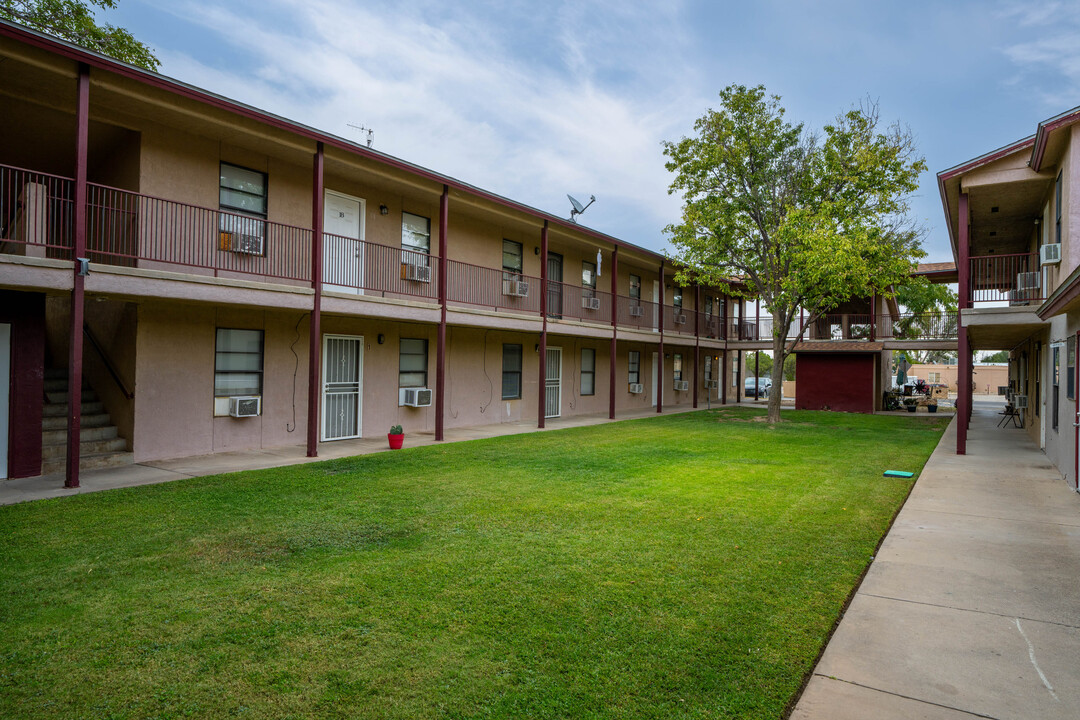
<point>238,362</point>
<point>412,363</point>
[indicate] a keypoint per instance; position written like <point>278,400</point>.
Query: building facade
<point>208,277</point>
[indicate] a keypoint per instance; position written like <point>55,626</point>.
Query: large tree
<point>793,218</point>
<point>73,20</point>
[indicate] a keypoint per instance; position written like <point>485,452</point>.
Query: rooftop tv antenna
<point>578,207</point>
<point>366,131</point>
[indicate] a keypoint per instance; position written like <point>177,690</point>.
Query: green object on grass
<point>898,473</point>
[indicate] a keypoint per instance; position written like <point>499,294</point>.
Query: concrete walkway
<point>972,607</point>
<point>157,471</point>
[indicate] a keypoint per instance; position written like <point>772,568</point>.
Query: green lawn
<point>683,566</point>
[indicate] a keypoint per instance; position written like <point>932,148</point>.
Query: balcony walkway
<point>158,471</point>
<point>971,608</point>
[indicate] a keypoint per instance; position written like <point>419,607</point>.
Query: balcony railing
<point>36,213</point>
<point>1013,280</point>
<point>492,289</point>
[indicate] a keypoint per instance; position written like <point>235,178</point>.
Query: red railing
<point>579,303</point>
<point>639,314</point>
<point>374,269</point>
<point>710,326</point>
<point>679,320</point>
<point>923,326</point>
<point>1006,279</point>
<point>36,213</point>
<point>478,286</point>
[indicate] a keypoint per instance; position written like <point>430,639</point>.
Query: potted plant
<point>910,404</point>
<point>396,436</point>
<point>931,405</point>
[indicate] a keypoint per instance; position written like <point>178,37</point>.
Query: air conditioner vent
<point>414,397</point>
<point>680,319</point>
<point>242,243</point>
<point>1027,281</point>
<point>515,288</point>
<point>1050,254</point>
<point>682,385</point>
<point>415,272</point>
<point>1020,402</point>
<point>245,406</point>
<point>590,303</point>
<point>636,311</point>
<point>636,388</point>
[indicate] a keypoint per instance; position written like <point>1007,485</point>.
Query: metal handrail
<point>108,363</point>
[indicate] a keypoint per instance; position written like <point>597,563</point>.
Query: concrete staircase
<point>100,445</point>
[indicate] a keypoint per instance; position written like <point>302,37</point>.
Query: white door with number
<point>343,386</point>
<point>343,243</point>
<point>553,383</point>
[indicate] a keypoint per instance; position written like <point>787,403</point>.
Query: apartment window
<point>412,363</point>
<point>677,299</point>
<point>676,367</point>
<point>511,372</point>
<point>512,260</point>
<point>238,362</point>
<point>635,287</point>
<point>415,239</point>
<point>588,371</point>
<point>1057,208</point>
<point>934,377</point>
<point>708,306</point>
<point>1070,368</point>
<point>588,279</point>
<point>634,367</point>
<point>242,199</point>
<point>708,368</point>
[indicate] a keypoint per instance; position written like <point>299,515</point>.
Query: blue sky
<point>537,100</point>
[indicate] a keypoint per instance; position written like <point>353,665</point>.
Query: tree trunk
<point>778,347</point>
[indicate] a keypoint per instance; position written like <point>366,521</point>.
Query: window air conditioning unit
<point>241,243</point>
<point>245,406</point>
<point>1027,281</point>
<point>637,311</point>
<point>711,384</point>
<point>1050,254</point>
<point>636,388</point>
<point>1020,402</point>
<point>1016,298</point>
<point>680,319</point>
<point>416,273</point>
<point>415,397</point>
<point>515,288</point>
<point>590,303</point>
<point>682,385</point>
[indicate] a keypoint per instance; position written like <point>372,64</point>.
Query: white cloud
<point>460,96</point>
<point>1050,60</point>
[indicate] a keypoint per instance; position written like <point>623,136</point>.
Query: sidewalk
<point>972,607</point>
<point>158,471</point>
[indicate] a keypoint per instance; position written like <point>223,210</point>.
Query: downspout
<point>78,287</point>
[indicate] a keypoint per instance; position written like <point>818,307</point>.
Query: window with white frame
<point>588,371</point>
<point>415,239</point>
<point>238,362</point>
<point>413,363</point>
<point>513,260</point>
<point>635,287</point>
<point>634,367</point>
<point>588,279</point>
<point>676,367</point>
<point>242,200</point>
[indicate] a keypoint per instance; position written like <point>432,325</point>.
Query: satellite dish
<point>578,207</point>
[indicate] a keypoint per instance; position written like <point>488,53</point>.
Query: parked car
<point>764,384</point>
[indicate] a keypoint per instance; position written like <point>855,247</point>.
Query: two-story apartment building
<point>1011,215</point>
<point>209,277</point>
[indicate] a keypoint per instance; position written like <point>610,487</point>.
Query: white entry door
<point>343,243</point>
<point>553,383</point>
<point>5,400</point>
<point>655,365</point>
<point>343,386</point>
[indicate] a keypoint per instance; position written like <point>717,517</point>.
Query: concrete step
<point>60,384</point>
<point>86,434</point>
<point>51,410</point>
<point>88,461</point>
<point>61,396</point>
<point>86,447</point>
<point>59,422</point>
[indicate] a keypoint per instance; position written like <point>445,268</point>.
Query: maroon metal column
<point>542,409</point>
<point>78,298</point>
<point>724,374</point>
<point>873,317</point>
<point>660,355</point>
<point>315,325</point>
<point>757,353</point>
<point>964,369</point>
<point>440,360</point>
<point>614,329</point>
<point>697,341</point>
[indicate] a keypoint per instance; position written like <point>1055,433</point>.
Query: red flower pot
<point>395,440</point>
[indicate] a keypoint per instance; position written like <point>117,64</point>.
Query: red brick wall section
<point>26,313</point>
<point>835,381</point>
